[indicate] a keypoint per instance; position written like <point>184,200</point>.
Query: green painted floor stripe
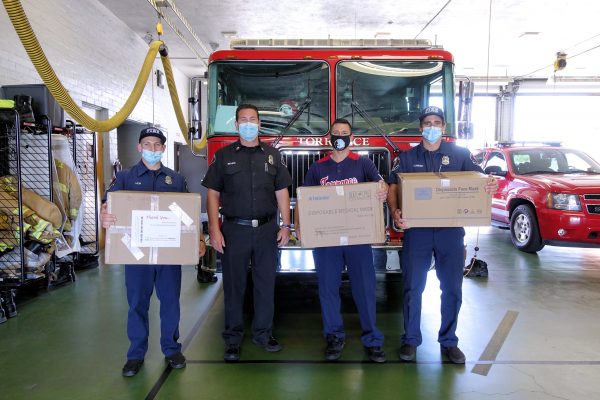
<point>395,362</point>
<point>493,348</point>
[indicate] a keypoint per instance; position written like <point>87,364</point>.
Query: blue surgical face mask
<point>152,157</point>
<point>432,133</point>
<point>248,131</point>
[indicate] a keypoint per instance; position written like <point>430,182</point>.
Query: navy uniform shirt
<point>140,178</point>
<point>352,169</point>
<point>449,157</point>
<point>247,179</point>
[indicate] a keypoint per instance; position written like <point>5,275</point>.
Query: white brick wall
<point>96,57</point>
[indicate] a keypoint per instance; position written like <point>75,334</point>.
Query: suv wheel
<point>524,229</point>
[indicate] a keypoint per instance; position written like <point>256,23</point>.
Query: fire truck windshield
<point>277,88</point>
<point>391,93</point>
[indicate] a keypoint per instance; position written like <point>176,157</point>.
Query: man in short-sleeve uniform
<point>150,175</point>
<point>344,167</point>
<point>446,244</point>
<point>250,183</point>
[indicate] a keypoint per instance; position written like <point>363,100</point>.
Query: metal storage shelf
<point>26,157</point>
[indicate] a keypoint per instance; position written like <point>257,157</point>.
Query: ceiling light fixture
<point>528,34</point>
<point>229,34</point>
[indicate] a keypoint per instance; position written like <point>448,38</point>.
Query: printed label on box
<point>155,229</point>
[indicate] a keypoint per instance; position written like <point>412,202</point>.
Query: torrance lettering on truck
<point>323,141</point>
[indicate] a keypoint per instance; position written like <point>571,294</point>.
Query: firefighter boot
<point>2,314</point>
<point>23,104</point>
<point>8,303</point>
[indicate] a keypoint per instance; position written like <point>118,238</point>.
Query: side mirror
<point>494,170</point>
<point>196,140</point>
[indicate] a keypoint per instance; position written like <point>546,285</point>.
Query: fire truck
<point>300,86</point>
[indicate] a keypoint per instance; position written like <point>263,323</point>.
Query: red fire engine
<point>300,86</point>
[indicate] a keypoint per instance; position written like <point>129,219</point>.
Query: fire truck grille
<point>298,162</point>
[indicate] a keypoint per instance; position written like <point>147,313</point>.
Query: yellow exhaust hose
<point>38,58</point>
<point>198,144</point>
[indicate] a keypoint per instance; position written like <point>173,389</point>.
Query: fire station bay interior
<point>91,307</point>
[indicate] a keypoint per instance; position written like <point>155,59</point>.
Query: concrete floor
<point>70,342</point>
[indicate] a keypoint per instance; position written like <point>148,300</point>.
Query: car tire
<point>524,229</point>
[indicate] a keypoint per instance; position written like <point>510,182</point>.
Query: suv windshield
<point>282,91</point>
<point>561,161</point>
<point>393,93</point>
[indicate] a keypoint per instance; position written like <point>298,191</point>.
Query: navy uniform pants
<point>246,245</point>
<point>140,281</point>
<point>329,263</point>
<point>447,246</point>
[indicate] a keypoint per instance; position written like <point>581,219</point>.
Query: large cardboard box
<point>153,228</point>
<point>445,199</point>
<point>340,215</point>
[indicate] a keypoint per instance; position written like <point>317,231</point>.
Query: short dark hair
<point>341,121</point>
<point>246,106</point>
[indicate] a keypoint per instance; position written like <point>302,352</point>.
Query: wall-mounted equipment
<point>160,79</point>
<point>561,61</point>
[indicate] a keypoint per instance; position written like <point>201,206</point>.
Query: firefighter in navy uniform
<point>150,175</point>
<point>250,183</point>
<point>339,168</point>
<point>446,244</point>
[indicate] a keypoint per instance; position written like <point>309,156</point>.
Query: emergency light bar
<point>329,43</point>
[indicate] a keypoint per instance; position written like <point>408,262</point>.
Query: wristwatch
<point>286,226</point>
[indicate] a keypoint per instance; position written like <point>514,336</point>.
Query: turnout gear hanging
<point>41,206</point>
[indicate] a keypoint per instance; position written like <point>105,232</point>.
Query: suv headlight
<point>564,201</point>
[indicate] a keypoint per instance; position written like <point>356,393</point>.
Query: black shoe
<point>132,367</point>
<point>176,361</point>
<point>407,352</point>
<point>232,353</point>
<point>334,348</point>
<point>454,354</point>
<point>271,345</point>
<point>376,354</point>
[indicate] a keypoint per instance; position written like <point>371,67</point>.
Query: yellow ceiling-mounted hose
<point>38,58</point>
<point>197,144</point>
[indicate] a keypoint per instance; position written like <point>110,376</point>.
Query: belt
<point>249,222</point>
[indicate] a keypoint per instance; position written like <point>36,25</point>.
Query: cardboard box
<point>340,215</point>
<point>153,228</point>
<point>446,199</point>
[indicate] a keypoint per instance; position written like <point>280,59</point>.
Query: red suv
<point>546,195</point>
